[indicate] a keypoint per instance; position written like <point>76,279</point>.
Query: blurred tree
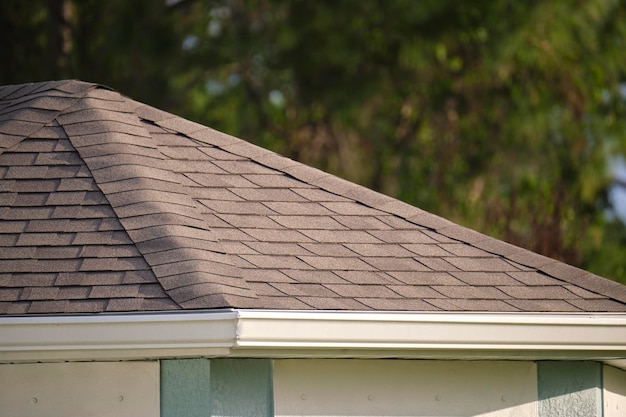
<point>133,46</point>
<point>500,115</point>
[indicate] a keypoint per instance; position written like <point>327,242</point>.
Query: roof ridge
<point>161,210</point>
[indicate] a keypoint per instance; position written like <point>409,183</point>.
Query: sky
<point>617,194</point>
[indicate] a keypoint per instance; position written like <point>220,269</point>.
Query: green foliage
<point>499,114</point>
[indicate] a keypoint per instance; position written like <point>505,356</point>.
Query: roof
<point>110,205</point>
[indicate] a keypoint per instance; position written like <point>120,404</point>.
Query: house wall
<point>313,387</point>
<point>614,392</point>
<point>405,388</point>
<point>80,389</point>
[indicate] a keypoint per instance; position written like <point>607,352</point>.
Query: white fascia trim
<point>116,337</point>
<point>432,335</point>
<point>271,333</point>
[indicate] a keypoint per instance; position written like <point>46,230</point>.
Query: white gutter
<point>261,333</point>
<point>116,337</point>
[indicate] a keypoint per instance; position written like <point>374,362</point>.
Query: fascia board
<point>116,337</point>
<point>428,335</point>
<point>271,333</point>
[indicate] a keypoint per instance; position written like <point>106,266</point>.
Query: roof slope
<point>110,205</point>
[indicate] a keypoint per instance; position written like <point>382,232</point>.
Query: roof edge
<point>317,334</point>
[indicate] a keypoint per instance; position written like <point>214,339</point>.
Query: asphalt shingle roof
<point>110,205</point>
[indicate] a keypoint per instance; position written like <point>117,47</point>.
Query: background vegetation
<point>502,115</point>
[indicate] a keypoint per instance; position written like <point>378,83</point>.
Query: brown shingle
<point>402,236</point>
<point>309,290</point>
<point>237,207</point>
<point>313,276</point>
<point>56,306</point>
<point>350,208</point>
<point>264,289</point>
<point>323,303</point>
<point>367,277</point>
<point>381,250</point>
<point>73,292</point>
<point>486,278</point>
<point>597,305</point>
<point>85,306</point>
<point>318,195</point>
<point>269,248</point>
<point>481,264</point>
<point>114,291</point>
<point>543,305</point>
<point>361,223</point>
<point>582,293</point>
<point>199,277</point>
<point>90,278</point>
<point>328,249</point>
<point>194,265</point>
<point>438,264</point>
<point>397,304</point>
<point>265,275</point>
<point>298,208</point>
<point>135,209</point>
<point>249,221</point>
<point>413,291</point>
<point>308,222</point>
<point>476,305</point>
<point>426,278</point>
<point>390,264</point>
<point>34,186</point>
<point>537,293</point>
<point>57,252</point>
<point>276,235</point>
<point>466,292</point>
<point>337,264</point>
<point>257,194</point>
<point>124,304</point>
<point>341,236</point>
<point>367,291</point>
<point>29,200</point>
<point>158,304</point>
<point>28,280</point>
<point>533,278</point>
<point>276,261</point>
<point>425,250</point>
<point>275,181</point>
<point>10,294</point>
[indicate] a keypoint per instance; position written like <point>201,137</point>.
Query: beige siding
<point>80,389</point>
<point>614,392</point>
<point>404,388</point>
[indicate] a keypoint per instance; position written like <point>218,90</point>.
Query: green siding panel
<point>216,388</point>
<point>186,388</point>
<point>242,388</point>
<point>569,389</point>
